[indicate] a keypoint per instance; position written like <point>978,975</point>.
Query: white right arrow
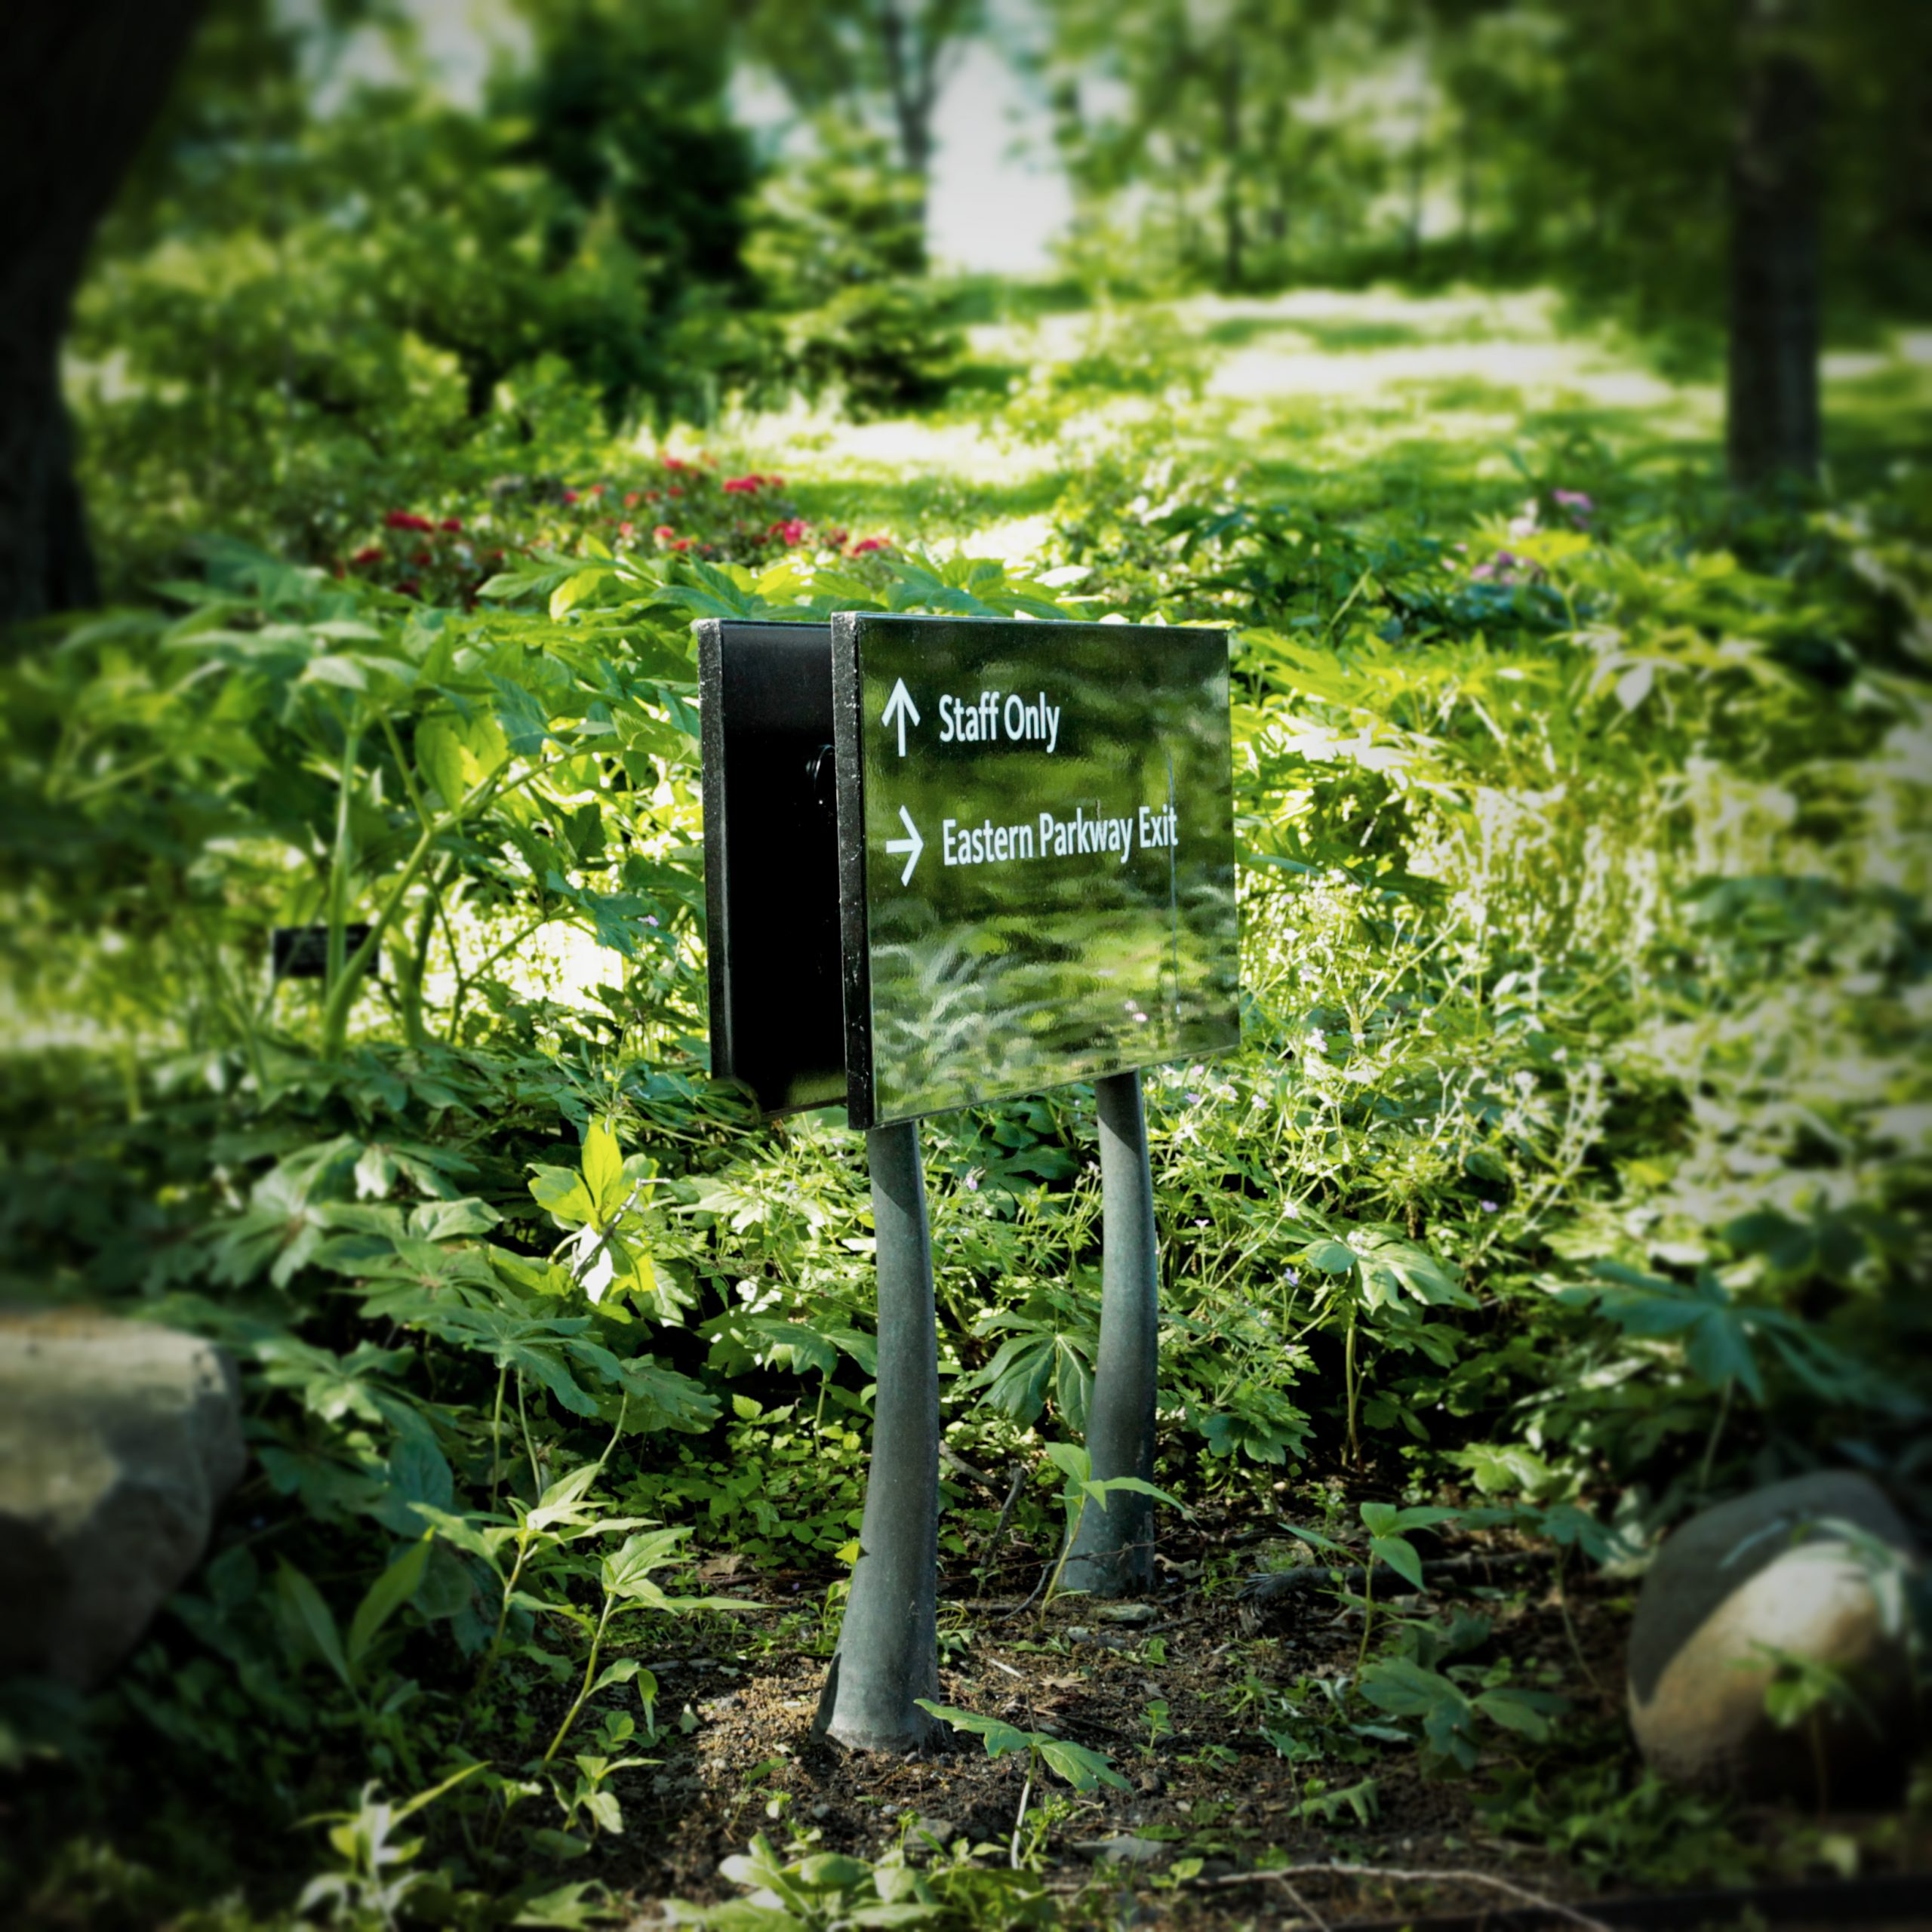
<point>914,844</point>
<point>899,706</point>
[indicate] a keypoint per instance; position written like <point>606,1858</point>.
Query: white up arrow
<point>899,706</point>
<point>914,844</point>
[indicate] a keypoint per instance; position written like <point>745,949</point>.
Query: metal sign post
<point>949,862</point>
<point>1113,1556</point>
<point>891,1630</point>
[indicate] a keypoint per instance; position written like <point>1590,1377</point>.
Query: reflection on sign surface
<point>1037,855</point>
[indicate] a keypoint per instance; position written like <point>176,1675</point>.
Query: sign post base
<point>888,1650</point>
<point>1113,1556</point>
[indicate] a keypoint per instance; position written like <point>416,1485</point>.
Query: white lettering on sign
<point>1064,837</point>
<point>985,719</point>
<point>1085,835</point>
<point>1159,828</point>
<point>987,844</point>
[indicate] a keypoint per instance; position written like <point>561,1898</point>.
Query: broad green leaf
<point>604,1170</point>
<point>1332,1257</point>
<point>385,1597</point>
<point>309,1619</point>
<point>1081,1767</point>
<point>1400,1556</point>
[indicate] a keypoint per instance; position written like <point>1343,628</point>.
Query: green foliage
<point>1083,1768</point>
<point>1448,1705</point>
<point>1576,1153</point>
<point>823,1891</point>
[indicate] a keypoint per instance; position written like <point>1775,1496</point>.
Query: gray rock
<point>118,1440</point>
<point>1125,1849</point>
<point>1764,1570</point>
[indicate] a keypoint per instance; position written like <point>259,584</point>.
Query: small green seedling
<point>1081,1488</point>
<point>1084,1769</point>
<point>1388,1543</point>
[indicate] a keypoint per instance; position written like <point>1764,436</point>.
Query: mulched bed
<point>1213,1790</point>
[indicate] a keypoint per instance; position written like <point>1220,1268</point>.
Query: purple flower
<point>973,1182</point>
<point>1574,500</point>
<point>1293,1278</point>
<point>648,920</point>
<point>1488,1206</point>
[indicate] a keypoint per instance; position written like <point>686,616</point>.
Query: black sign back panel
<point>1036,855</point>
<point>771,861</point>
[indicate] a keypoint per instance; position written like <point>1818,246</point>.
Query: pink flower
<point>1574,500</point>
<point>663,533</point>
<point>742,486</point>
<point>569,496</point>
<point>791,530</point>
<point>406,520</point>
<point>867,544</point>
<point>632,499</point>
<point>627,532</point>
<point>674,462</point>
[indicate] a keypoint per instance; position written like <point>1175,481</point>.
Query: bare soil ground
<point>1211,1795</point>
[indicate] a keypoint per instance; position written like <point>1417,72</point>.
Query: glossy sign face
<point>1036,863</point>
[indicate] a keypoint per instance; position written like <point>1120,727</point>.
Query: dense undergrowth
<point>1572,1172</point>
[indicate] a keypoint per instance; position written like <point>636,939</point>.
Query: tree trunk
<point>912,74</point>
<point>79,85</point>
<point>1771,418</point>
<point>1234,241</point>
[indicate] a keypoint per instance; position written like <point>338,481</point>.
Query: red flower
<point>373,554</point>
<point>631,498</point>
<point>452,523</point>
<point>868,543</point>
<point>674,491</point>
<point>674,462</point>
<point>406,520</point>
<point>569,496</point>
<point>627,532</point>
<point>791,531</point>
<point>682,543</point>
<point>408,587</point>
<point>595,490</point>
<point>650,496</point>
<point>663,533</point>
<point>836,538</point>
<point>742,486</point>
<point>422,557</point>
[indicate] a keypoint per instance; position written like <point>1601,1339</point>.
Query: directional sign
<point>1036,855</point>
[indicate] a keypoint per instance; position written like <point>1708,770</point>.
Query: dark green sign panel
<point>1036,855</point>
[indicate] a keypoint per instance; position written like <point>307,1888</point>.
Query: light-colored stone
<point>118,1441</point>
<point>1763,1571</point>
